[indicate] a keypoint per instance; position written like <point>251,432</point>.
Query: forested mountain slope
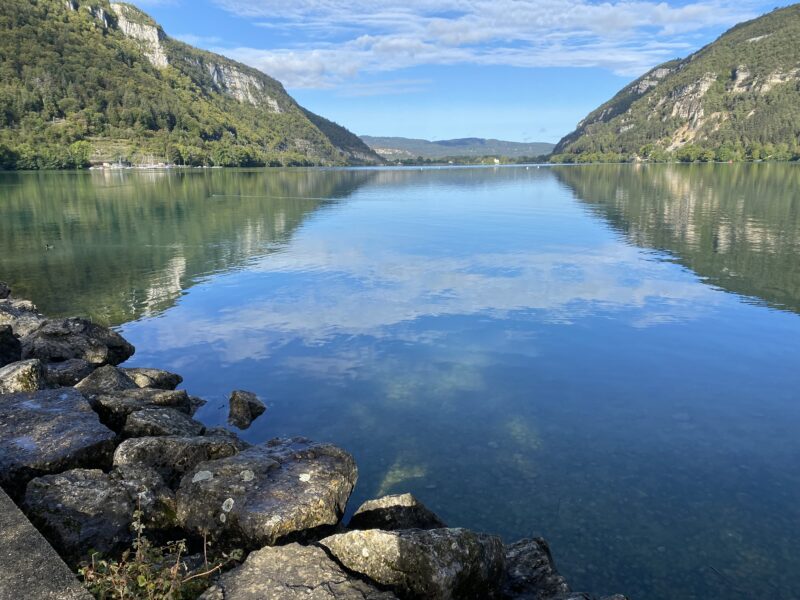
<point>90,80</point>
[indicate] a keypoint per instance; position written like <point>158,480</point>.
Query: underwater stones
<point>530,572</point>
<point>106,380</point>
<point>289,572</point>
<point>67,373</point>
<point>153,378</point>
<point>172,456</point>
<point>20,315</point>
<point>10,347</point>
<point>245,407</point>
<point>22,376</point>
<point>267,493</point>
<point>114,408</point>
<point>400,511</point>
<point>49,431</point>
<point>435,563</point>
<point>161,421</point>
<point>61,339</point>
<point>79,511</point>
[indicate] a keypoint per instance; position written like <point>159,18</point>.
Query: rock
<point>245,407</point>
<point>150,493</point>
<point>80,511</point>
<point>5,291</point>
<point>435,563</point>
<point>115,408</point>
<point>290,572</point>
<point>390,513</point>
<point>161,421</point>
<point>154,378</point>
<point>195,404</point>
<point>10,348</point>
<point>23,376</point>
<point>271,492</point>
<point>62,339</point>
<point>530,572</point>
<point>21,315</point>
<point>47,432</point>
<point>172,456</point>
<point>106,380</point>
<point>67,373</point>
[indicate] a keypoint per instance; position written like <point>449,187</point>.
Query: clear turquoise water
<point>606,356</point>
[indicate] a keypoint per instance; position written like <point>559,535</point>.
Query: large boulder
<point>153,378</point>
<point>61,339</point>
<point>290,572</point>
<point>435,563</point>
<point>47,432</point>
<point>114,408</point>
<point>400,511</point>
<point>245,407</point>
<point>10,347</point>
<point>68,372</point>
<point>23,376</point>
<point>21,315</point>
<point>161,421</point>
<point>530,572</point>
<point>153,497</point>
<point>106,380</point>
<point>284,489</point>
<point>173,456</point>
<point>80,511</point>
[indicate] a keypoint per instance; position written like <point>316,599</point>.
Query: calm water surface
<point>606,356</point>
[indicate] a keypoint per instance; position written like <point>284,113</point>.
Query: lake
<point>607,356</point>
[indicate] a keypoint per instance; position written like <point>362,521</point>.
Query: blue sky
<point>523,70</point>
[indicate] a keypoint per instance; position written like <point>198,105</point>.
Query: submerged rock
<point>61,339</point>
<point>154,378</point>
<point>106,380</point>
<point>530,572</point>
<point>67,373</point>
<point>21,315</point>
<point>268,493</point>
<point>290,572</point>
<point>172,456</point>
<point>401,511</point>
<point>23,376</point>
<point>161,421</point>
<point>436,563</point>
<point>80,511</point>
<point>49,431</point>
<point>245,407</point>
<point>10,347</point>
<point>114,408</point>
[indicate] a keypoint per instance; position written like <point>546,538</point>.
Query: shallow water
<point>607,356</point>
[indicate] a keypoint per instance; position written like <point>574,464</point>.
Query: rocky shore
<point>85,445</point>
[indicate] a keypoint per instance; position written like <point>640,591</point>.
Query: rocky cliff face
<point>741,89</point>
<point>135,25</point>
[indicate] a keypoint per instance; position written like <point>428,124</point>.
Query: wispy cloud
<point>343,40</point>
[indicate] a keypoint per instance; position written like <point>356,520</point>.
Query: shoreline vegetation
<point>145,502</point>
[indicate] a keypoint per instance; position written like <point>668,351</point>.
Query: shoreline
<point>91,451</point>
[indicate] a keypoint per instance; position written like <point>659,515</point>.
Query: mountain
<point>399,148</point>
<point>737,98</point>
<point>91,81</point>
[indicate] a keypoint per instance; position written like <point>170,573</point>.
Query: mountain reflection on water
<point>603,355</point>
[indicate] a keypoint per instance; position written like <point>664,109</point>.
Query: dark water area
<point>608,356</point>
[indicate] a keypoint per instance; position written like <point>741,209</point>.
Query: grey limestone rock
<point>68,372</point>
<point>286,488</point>
<point>161,421</point>
<point>417,563</point>
<point>153,378</point>
<point>47,432</point>
<point>245,407</point>
<point>115,407</point>
<point>23,376</point>
<point>290,572</point>
<point>106,380</point>
<point>530,572</point>
<point>21,315</point>
<point>10,347</point>
<point>61,339</point>
<point>400,511</point>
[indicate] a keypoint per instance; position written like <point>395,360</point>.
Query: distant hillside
<point>90,81</point>
<point>399,148</point>
<point>737,98</point>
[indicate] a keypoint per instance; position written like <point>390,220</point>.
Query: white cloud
<point>342,40</point>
